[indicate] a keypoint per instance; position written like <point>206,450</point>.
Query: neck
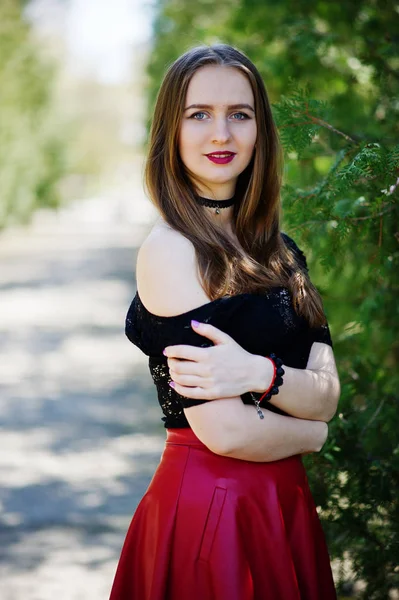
<point>222,192</point>
<point>220,210</point>
<point>224,218</point>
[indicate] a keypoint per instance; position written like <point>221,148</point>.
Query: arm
<point>310,393</point>
<point>227,370</point>
<point>227,426</point>
<point>230,428</point>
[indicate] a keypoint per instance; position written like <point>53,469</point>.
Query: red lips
<point>221,157</point>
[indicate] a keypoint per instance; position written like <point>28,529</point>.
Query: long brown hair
<point>261,260</point>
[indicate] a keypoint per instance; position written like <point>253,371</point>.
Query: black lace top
<point>260,323</point>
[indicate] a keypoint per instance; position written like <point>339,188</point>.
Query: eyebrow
<point>232,106</point>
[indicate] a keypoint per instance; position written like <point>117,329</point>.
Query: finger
<point>185,352</point>
<point>195,393</point>
<point>212,333</point>
<point>188,380</point>
<point>186,367</point>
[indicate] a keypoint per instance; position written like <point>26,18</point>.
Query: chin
<point>223,177</point>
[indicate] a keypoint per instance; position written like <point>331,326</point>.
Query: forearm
<point>274,437</point>
<point>230,428</point>
<point>309,393</point>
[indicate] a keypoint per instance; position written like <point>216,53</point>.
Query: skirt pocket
<point>212,522</point>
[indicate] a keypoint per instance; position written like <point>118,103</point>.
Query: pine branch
<point>352,219</point>
<point>331,128</point>
<point>380,214</point>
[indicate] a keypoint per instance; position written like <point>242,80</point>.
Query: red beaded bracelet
<point>277,380</point>
<point>277,377</point>
<point>272,382</point>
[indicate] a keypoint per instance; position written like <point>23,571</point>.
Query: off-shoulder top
<point>260,323</point>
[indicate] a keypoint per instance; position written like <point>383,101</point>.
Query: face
<point>218,134</point>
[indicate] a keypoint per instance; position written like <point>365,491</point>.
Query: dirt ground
<point>80,427</point>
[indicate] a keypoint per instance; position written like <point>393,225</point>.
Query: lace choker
<point>216,204</point>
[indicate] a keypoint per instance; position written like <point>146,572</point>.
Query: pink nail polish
<point>195,323</point>
<point>172,384</point>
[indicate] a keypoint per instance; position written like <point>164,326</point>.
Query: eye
<point>242,116</point>
<point>197,114</point>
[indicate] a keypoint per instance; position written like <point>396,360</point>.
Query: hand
<point>323,435</point>
<point>224,370</point>
<point>320,437</point>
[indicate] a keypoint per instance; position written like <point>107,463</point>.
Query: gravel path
<point>80,427</point>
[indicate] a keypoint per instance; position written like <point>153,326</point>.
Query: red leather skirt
<point>211,527</point>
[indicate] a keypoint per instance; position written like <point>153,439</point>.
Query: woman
<point>239,350</point>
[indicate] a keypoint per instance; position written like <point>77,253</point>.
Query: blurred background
<point>80,428</point>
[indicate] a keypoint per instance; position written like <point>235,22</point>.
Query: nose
<point>221,132</point>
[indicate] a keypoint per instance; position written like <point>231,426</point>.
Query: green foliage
<point>331,73</point>
<point>31,149</point>
<point>299,118</point>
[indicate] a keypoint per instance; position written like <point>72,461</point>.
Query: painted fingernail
<point>172,384</point>
<point>195,323</point>
<point>164,351</point>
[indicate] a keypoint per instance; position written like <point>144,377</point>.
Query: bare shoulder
<point>166,272</point>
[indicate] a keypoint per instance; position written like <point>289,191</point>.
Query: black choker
<point>217,204</point>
